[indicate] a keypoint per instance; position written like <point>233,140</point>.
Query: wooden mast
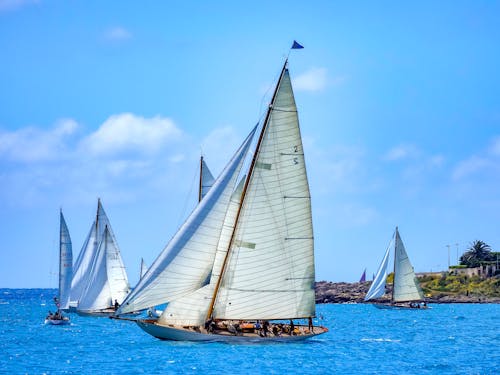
<point>243,194</point>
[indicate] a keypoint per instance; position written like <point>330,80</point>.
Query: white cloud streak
<point>313,80</point>
<point>10,5</point>
<point>117,34</point>
<point>34,145</point>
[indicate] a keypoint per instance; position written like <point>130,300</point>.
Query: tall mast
<point>243,194</point>
<point>394,269</point>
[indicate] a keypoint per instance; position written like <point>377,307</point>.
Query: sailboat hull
<point>96,313</point>
<point>188,334</point>
<point>388,306</point>
<point>57,322</point>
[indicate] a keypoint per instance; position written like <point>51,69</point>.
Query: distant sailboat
<point>206,179</point>
<point>363,277</point>
<point>245,254</point>
<point>406,292</point>
<point>65,274</point>
<point>99,281</point>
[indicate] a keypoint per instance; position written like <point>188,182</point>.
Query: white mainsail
<point>65,264</point>
<point>186,262</point>
<point>406,287</point>
<point>206,179</point>
<point>270,272</point>
<point>377,288</point>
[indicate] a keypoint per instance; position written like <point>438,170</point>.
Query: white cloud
<point>470,166</point>
<point>487,161</point>
<point>128,132</point>
<point>495,146</point>
<point>35,145</point>
<point>7,5</point>
<point>401,152</point>
<point>117,34</point>
<point>313,80</point>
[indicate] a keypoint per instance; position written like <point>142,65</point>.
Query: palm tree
<point>478,252</point>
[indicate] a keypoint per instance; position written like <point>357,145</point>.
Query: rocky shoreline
<point>328,292</point>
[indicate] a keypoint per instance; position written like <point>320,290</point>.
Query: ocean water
<point>447,339</point>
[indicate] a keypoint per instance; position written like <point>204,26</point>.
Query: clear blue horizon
<point>398,106</point>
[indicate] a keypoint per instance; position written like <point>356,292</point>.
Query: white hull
<point>182,334</point>
<point>57,322</point>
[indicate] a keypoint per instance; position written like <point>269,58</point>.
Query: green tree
<point>477,253</point>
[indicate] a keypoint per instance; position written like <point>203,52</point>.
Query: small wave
<point>380,340</point>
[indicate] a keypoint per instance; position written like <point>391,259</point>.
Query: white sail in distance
<point>65,264</point>
<point>108,281</point>
<point>270,270</point>
<point>186,262</point>
<point>406,286</point>
<point>84,269</point>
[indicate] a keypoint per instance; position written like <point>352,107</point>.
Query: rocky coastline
<point>342,292</point>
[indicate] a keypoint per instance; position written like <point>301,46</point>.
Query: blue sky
<point>399,105</point>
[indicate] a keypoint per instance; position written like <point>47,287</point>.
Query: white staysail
<point>108,281</point>
<point>65,264</point>
<point>377,288</point>
<point>270,271</point>
<point>406,287</point>
<point>192,309</point>
<point>186,262</point>
<point>206,179</point>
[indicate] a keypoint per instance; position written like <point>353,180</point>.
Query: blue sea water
<point>447,339</point>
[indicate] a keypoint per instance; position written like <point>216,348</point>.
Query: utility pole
<point>448,246</point>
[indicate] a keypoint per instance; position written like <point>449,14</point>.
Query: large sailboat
<point>242,265</point>
<point>99,281</point>
<point>406,291</point>
<point>65,274</point>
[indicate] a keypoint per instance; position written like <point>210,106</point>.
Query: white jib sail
<point>406,287</point>
<point>186,262</point>
<point>65,264</point>
<point>97,295</point>
<point>270,273</point>
<point>117,275</point>
<point>377,288</point>
<point>81,270</point>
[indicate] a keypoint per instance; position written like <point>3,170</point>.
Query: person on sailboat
<point>311,327</point>
<point>117,305</point>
